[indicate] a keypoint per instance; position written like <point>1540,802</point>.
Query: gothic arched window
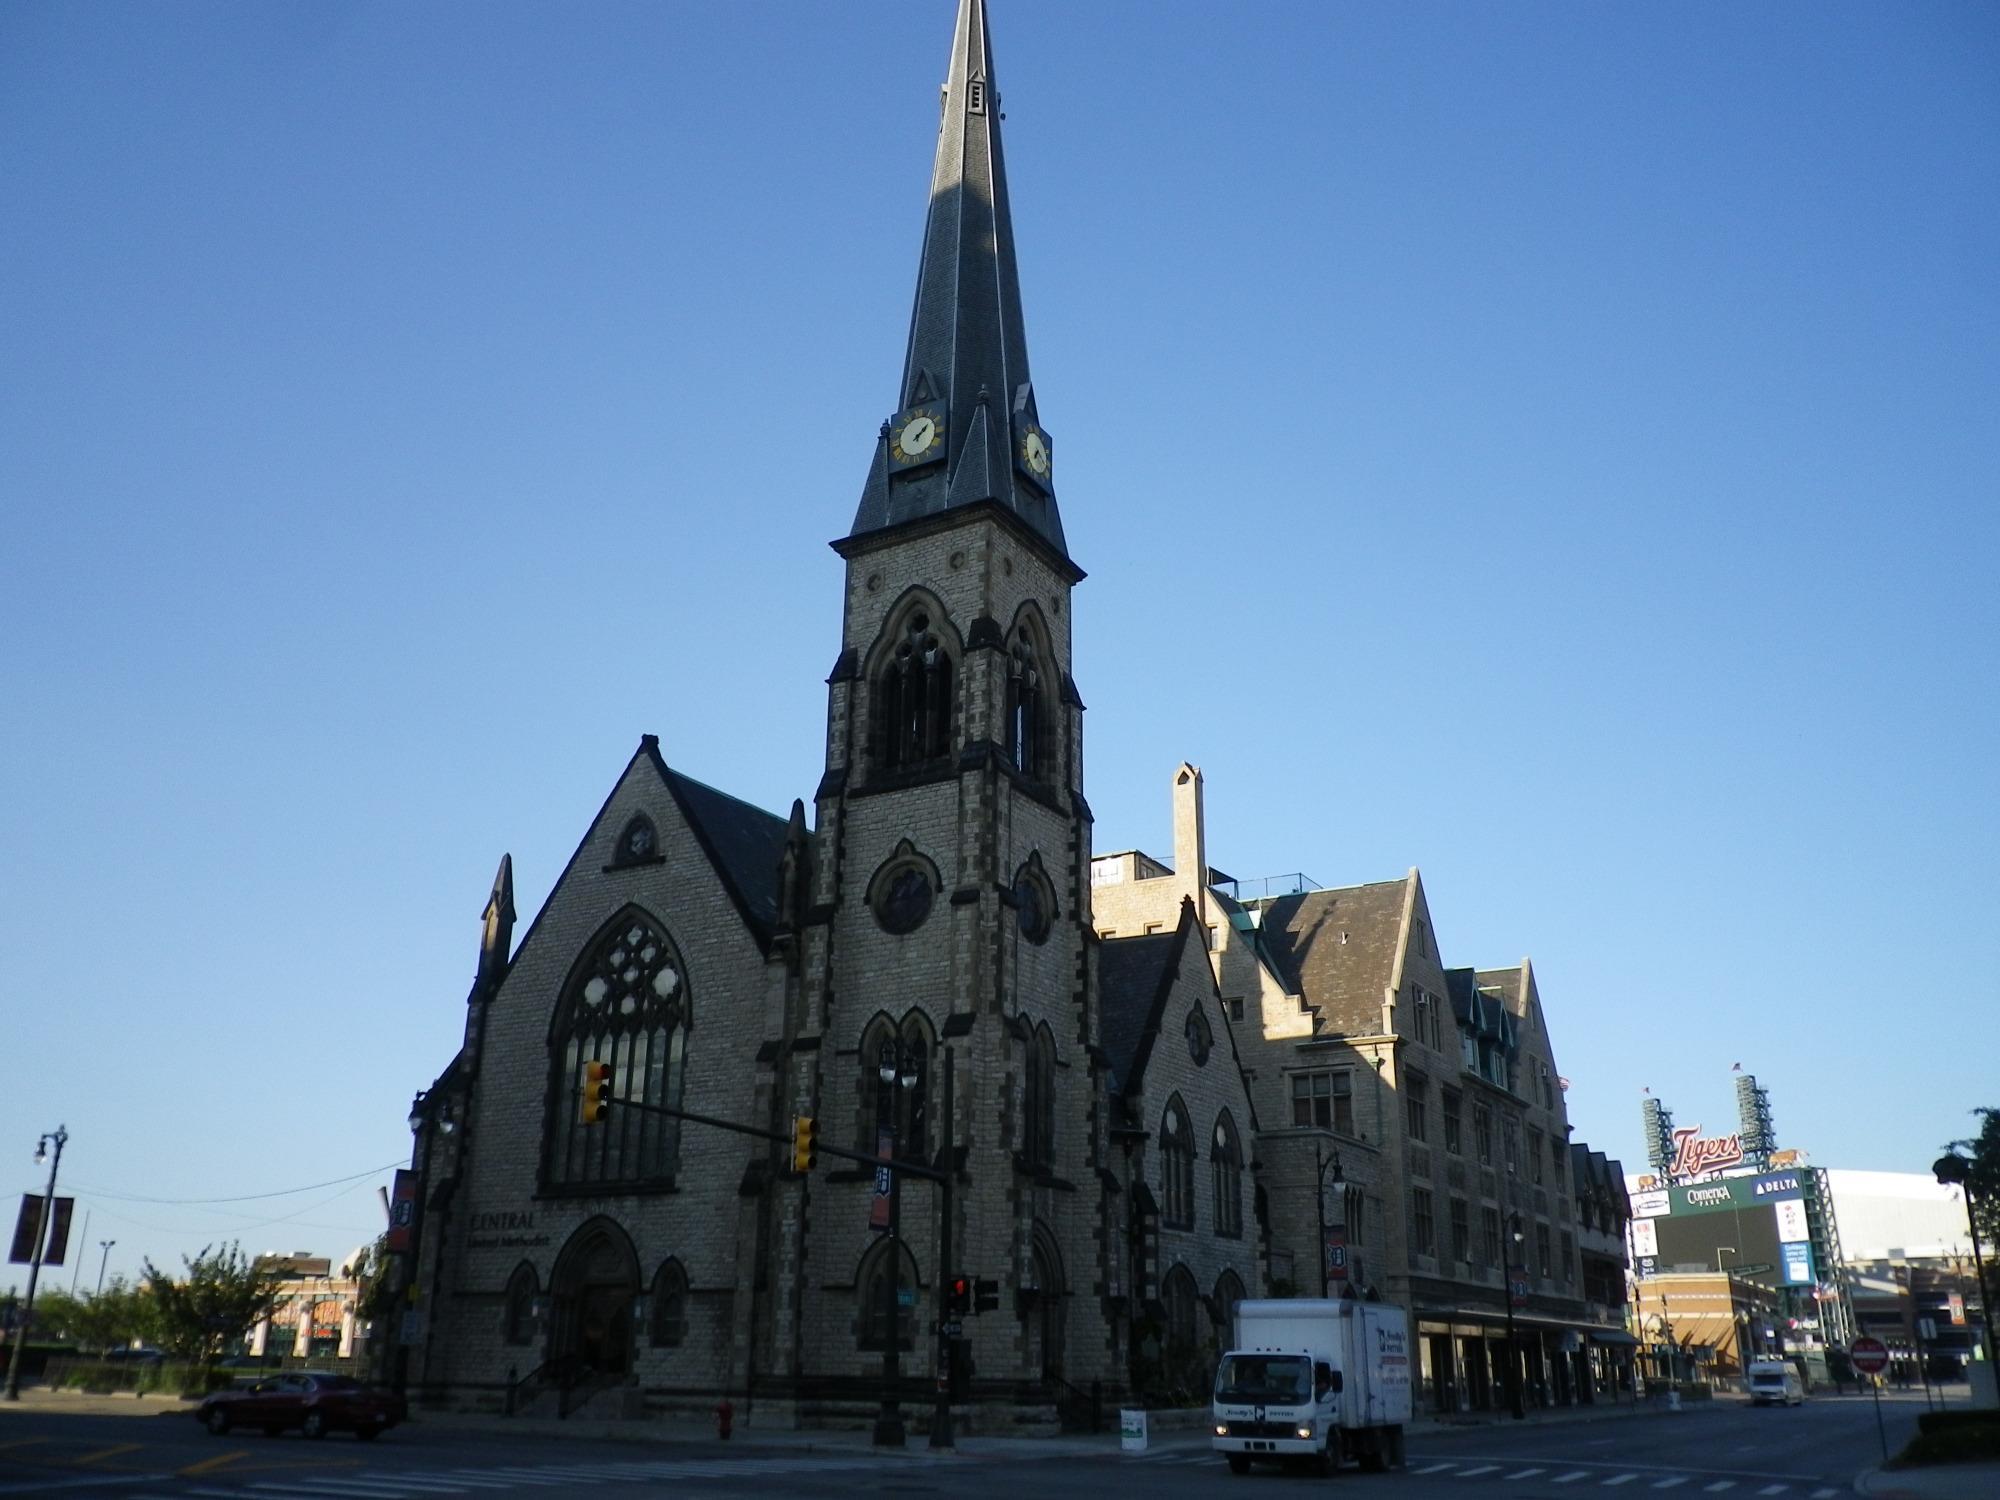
<point>1228,1292</point>
<point>1180,1295</point>
<point>1176,1167</point>
<point>872,1287</point>
<point>891,1104</point>
<point>669,1316</point>
<point>626,1005</point>
<point>1026,730</point>
<point>1038,1110</point>
<point>1226,1168</point>
<point>913,698</point>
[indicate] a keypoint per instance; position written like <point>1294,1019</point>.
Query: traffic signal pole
<point>941,1433</point>
<point>941,1174</point>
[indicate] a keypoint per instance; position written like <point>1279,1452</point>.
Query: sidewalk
<point>1165,1429</point>
<point>1937,1482</point>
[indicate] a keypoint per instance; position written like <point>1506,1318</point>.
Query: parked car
<point>314,1403</point>
<point>134,1356</point>
<point>1775,1380</point>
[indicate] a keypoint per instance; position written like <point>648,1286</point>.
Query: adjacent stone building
<point>1409,1115</point>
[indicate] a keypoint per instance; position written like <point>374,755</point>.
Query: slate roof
<point>968,350</point>
<point>742,841</point>
<point>1135,976</point>
<point>1342,980</point>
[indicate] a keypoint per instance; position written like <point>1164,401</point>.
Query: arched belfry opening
<point>913,684</point>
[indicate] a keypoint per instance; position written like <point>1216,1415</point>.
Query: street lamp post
<point>1513,1350</point>
<point>103,1261</point>
<point>1949,1169</point>
<point>898,1067</point>
<point>1729,1291</point>
<point>1321,1168</point>
<point>17,1358</point>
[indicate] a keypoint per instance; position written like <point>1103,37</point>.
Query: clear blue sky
<point>1552,445</point>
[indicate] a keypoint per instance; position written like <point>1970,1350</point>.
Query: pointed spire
<point>965,372</point>
<point>496,938</point>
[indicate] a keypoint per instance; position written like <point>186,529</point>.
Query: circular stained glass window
<point>1031,908</point>
<point>903,901</point>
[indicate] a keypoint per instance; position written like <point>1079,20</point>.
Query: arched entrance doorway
<point>595,1284</point>
<point>1044,1311</point>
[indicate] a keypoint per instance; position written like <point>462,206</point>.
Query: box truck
<point>1314,1380</point>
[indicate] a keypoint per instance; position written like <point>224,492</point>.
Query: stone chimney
<point>1191,840</point>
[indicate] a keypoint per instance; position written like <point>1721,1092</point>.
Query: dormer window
<point>975,97</point>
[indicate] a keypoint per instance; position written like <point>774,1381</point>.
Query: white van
<point>1775,1380</point>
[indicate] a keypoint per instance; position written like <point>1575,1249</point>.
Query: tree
<point>1978,1169</point>
<point>223,1294</point>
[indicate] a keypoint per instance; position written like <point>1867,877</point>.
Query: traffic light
<point>805,1143</point>
<point>596,1091</point>
<point>985,1295</point>
<point>960,1298</point>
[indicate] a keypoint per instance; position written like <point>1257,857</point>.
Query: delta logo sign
<point>1695,1157</point>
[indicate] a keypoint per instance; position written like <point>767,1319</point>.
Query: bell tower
<point>950,874</point>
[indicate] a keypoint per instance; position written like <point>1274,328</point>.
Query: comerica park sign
<point>1695,1157</point>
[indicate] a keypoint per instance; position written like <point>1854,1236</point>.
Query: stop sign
<point>1870,1356</point>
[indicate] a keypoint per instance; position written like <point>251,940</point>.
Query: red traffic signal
<point>960,1295</point>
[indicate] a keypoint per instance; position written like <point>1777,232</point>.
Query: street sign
<point>1870,1355</point>
<point>952,1330</point>
<point>1927,1330</point>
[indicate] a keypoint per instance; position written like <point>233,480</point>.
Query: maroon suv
<point>315,1404</point>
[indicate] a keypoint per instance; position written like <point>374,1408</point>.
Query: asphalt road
<point>1724,1452</point>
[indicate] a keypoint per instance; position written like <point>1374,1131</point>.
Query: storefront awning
<point>1616,1336</point>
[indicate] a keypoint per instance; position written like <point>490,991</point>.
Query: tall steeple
<point>965,429</point>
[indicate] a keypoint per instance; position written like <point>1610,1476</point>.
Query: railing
<point>1268,887</point>
<point>1078,1410</point>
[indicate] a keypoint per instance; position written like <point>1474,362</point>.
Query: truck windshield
<point>1275,1379</point>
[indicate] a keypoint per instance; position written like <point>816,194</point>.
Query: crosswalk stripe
<point>1571,1477</point>
<point>1618,1479</point>
<point>1719,1486</point>
<point>1671,1482</point>
<point>1774,1489</point>
<point>346,1490</point>
<point>1523,1474</point>
<point>373,1484</point>
<point>1475,1473</point>
<point>1824,1494</point>
<point>1434,1469</point>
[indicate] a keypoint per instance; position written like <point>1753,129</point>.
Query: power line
<point>242,1198</point>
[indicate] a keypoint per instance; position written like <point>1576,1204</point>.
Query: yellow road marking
<point>216,1462</point>
<point>112,1452</point>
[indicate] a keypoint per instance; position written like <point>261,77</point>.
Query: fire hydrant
<point>725,1418</point>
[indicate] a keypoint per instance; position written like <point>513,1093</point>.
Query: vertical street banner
<point>58,1241</point>
<point>878,1206</point>
<point>1336,1253</point>
<point>401,1237</point>
<point>28,1230</point>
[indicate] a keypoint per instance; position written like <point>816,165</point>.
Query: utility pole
<point>42,1225</point>
<point>103,1261</point>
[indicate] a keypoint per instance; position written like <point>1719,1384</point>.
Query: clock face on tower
<point>1032,453</point>
<point>916,437</point>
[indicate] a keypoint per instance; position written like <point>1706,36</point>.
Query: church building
<point>928,919</point>
<point>1131,1093</point>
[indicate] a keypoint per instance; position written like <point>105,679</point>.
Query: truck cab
<point>1319,1381</point>
<point>1275,1406</point>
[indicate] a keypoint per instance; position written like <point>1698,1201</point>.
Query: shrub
<point>1953,1442</point>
